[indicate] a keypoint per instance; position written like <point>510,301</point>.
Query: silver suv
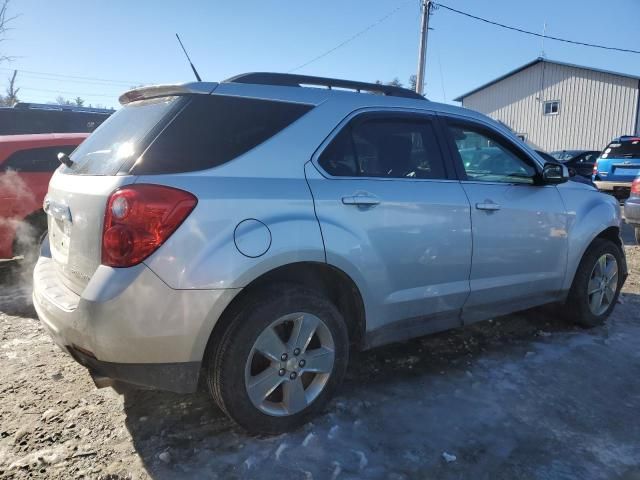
<point>250,233</point>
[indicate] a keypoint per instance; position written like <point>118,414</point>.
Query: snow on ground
<point>524,396</point>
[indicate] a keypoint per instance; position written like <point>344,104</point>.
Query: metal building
<point>555,105</point>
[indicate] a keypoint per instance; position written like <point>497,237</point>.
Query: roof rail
<point>291,80</point>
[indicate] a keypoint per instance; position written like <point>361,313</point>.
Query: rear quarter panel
<point>202,253</point>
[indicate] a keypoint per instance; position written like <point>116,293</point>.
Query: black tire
<point>637,235</point>
<point>225,365</point>
<point>577,305</point>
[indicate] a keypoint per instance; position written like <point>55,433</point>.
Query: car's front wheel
<point>279,361</point>
<point>596,285</point>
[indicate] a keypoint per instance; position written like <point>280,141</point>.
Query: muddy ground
<point>524,396</point>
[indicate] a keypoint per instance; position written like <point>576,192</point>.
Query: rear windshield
<point>214,129</point>
<point>122,138</point>
<point>625,149</point>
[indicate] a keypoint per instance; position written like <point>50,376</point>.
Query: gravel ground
<point>523,396</point>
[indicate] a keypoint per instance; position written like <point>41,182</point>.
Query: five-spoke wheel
<point>603,284</point>
<point>289,364</point>
<point>596,284</point>
<point>283,353</point>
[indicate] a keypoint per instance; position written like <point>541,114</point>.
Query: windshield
<point>121,138</point>
<point>628,148</point>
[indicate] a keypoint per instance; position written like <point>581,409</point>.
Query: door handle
<point>361,200</point>
<point>488,206</point>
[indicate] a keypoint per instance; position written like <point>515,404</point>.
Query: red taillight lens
<point>635,187</point>
<point>595,168</point>
<point>139,219</point>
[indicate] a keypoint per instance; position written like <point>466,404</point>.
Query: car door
<point>583,163</point>
<point>395,219</point>
<point>519,226</point>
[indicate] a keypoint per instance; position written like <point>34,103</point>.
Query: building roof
<point>534,62</point>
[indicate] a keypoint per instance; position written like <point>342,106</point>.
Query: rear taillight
<point>635,187</point>
<point>595,168</point>
<point>139,219</point>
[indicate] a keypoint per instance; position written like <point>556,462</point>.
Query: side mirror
<point>554,173</point>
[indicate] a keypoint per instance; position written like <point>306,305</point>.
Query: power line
<point>83,94</point>
<point>71,80</point>
<point>59,75</point>
<point>527,32</point>
<point>353,37</point>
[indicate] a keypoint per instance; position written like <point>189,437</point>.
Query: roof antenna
<point>195,72</point>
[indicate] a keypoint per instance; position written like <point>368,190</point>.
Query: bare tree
<point>12,92</point>
<point>413,81</point>
<point>395,82</point>
<point>5,20</point>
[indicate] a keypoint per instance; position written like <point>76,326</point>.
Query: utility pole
<point>422,49</point>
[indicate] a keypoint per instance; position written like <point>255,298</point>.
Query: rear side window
<point>626,149</point>
<point>214,129</point>
<point>43,159</point>
<point>387,148</point>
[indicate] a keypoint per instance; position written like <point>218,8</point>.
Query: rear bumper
<point>632,211</point>
<point>173,377</point>
<point>129,325</point>
<point>605,185</point>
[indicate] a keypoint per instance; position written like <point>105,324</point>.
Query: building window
<point>552,107</point>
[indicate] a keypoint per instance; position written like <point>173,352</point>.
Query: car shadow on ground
<point>196,437</point>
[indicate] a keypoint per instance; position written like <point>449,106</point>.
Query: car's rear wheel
<point>596,285</point>
<point>280,360</point>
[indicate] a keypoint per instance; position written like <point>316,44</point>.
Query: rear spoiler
<point>155,91</point>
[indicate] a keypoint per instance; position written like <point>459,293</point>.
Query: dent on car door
<point>519,226</point>
<point>393,220</point>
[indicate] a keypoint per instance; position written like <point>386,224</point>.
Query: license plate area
<point>59,239</point>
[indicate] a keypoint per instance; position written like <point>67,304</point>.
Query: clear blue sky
<point>133,41</point>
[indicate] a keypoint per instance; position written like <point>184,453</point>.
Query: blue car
<point>617,166</point>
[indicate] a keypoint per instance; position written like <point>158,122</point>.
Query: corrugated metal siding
<point>594,107</point>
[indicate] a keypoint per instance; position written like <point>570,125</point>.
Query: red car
<point>26,165</point>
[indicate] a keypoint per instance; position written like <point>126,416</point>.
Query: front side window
<point>552,107</point>
<point>385,148</point>
<point>486,158</point>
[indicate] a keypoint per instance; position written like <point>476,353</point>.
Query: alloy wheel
<point>603,283</point>
<point>289,364</point>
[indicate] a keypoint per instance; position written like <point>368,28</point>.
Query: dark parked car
<point>29,118</point>
<point>581,161</point>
